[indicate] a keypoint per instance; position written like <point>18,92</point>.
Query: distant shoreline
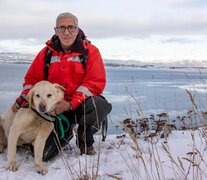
<point>115,65</point>
<point>192,65</point>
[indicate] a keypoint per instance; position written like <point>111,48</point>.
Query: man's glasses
<point>61,29</point>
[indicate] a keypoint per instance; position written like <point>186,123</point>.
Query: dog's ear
<point>57,86</point>
<point>29,97</point>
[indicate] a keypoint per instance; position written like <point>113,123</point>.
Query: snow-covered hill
<point>16,58</point>
<point>19,58</point>
<point>171,64</point>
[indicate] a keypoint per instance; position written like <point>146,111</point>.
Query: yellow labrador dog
<point>26,126</point>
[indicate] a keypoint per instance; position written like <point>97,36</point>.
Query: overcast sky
<point>148,30</point>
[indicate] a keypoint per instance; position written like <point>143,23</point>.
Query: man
<point>84,83</point>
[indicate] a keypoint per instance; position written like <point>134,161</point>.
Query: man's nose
<point>67,31</point>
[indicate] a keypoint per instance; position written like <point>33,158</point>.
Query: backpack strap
<point>47,60</point>
<point>84,57</point>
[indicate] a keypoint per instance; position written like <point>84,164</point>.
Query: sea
<point>133,92</point>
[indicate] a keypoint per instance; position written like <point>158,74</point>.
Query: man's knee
<point>99,104</point>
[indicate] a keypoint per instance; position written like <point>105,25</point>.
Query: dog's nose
<point>42,108</point>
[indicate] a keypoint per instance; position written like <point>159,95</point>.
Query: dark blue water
<point>133,92</point>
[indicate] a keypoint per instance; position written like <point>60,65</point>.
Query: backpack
<point>48,56</point>
<point>83,59</point>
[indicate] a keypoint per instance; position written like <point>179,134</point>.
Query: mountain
<point>170,64</point>
<point>19,58</point>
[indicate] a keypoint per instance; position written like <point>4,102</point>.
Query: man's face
<point>67,31</point>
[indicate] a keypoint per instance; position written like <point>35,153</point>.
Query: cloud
<point>103,27</point>
<point>179,40</point>
<point>145,27</point>
<point>36,19</point>
<point>113,24</point>
<point>185,3</point>
<point>21,45</point>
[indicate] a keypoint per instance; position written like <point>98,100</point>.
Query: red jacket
<point>67,70</point>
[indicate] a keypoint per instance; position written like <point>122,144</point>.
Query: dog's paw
<point>42,170</point>
<point>12,166</point>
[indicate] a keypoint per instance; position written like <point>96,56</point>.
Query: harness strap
<point>60,118</point>
<point>45,116</point>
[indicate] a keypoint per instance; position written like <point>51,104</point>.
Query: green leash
<point>60,118</point>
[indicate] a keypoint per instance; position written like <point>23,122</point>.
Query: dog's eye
<point>49,95</point>
<point>37,95</point>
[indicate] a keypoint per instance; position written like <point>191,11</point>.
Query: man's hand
<point>62,106</point>
<point>20,102</point>
<point>14,107</point>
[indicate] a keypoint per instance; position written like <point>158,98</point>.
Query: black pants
<point>89,115</point>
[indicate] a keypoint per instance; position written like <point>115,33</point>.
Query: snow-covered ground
<point>183,157</point>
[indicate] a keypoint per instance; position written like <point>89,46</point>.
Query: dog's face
<point>44,95</point>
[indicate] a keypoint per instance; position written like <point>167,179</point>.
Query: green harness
<point>62,125</point>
